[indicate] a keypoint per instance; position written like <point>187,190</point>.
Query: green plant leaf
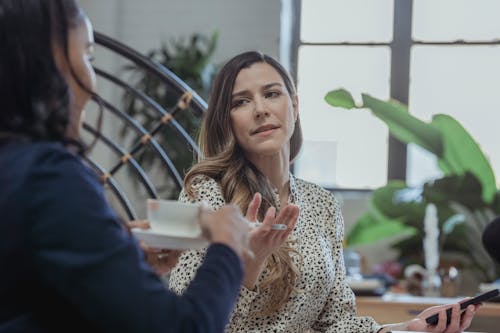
<point>464,189</point>
<point>340,98</point>
<point>388,202</point>
<point>462,153</point>
<point>369,229</point>
<point>403,125</point>
<point>190,59</point>
<point>450,224</point>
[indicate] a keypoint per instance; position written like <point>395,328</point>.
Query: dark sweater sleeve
<point>82,252</point>
<point>491,239</point>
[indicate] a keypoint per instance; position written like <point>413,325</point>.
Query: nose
<point>260,109</point>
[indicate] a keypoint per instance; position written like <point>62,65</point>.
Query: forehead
<point>256,76</point>
<point>88,29</point>
<point>82,32</point>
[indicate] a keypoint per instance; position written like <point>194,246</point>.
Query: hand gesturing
<point>263,239</point>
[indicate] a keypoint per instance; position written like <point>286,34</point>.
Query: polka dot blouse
<point>324,302</point>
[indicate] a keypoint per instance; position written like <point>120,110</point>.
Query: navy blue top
<point>68,264</point>
<point>491,238</point>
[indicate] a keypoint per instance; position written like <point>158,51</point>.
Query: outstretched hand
<point>263,239</point>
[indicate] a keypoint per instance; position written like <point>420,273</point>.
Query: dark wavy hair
<point>35,103</point>
<point>223,160</point>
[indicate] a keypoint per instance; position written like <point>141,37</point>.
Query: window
<point>436,56</point>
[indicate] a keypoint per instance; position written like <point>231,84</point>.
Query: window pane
<point>463,82</point>
<point>356,137</point>
<point>449,20</point>
<point>346,20</point>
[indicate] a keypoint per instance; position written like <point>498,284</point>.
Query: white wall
<point>242,24</point>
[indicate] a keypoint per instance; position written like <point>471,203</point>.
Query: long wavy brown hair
<point>224,161</point>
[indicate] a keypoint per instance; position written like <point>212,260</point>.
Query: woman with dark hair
<point>66,261</point>
<point>296,280</point>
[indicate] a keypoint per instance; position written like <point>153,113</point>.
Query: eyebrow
<point>266,86</point>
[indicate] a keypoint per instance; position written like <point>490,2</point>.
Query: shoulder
<point>53,159</point>
<point>316,194</point>
<point>52,190</point>
<point>50,161</point>
<point>48,172</point>
<point>206,189</point>
<point>203,183</point>
<point>35,154</point>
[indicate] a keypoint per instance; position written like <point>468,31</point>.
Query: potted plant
<point>466,196</point>
<point>191,61</point>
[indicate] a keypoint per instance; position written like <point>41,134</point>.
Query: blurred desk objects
<point>393,308</point>
<point>361,284</point>
<point>367,286</point>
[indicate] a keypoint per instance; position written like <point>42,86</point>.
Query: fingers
<point>142,224</point>
<point>205,217</point>
<point>163,261</point>
<point>467,316</point>
<point>290,221</point>
<point>268,220</point>
<point>441,325</point>
<point>288,216</point>
<point>253,207</point>
<point>455,319</point>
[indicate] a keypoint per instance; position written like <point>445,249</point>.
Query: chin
<point>269,152</point>
<point>265,148</point>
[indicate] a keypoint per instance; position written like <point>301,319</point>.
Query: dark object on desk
<point>370,285</point>
<point>370,292</point>
<point>491,239</point>
<point>433,320</point>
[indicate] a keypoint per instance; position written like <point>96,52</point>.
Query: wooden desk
<point>393,308</point>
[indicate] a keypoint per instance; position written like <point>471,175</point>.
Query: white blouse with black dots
<point>324,302</point>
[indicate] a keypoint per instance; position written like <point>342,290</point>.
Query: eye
<point>237,103</point>
<point>272,94</point>
<point>91,58</point>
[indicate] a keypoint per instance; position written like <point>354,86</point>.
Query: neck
<point>275,168</point>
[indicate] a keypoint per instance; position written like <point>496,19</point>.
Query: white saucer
<point>163,241</point>
<point>364,284</point>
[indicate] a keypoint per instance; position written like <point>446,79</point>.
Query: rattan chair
<point>119,154</point>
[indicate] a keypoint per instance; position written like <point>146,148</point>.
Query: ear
<point>295,103</point>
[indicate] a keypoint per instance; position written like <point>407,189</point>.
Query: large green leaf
<point>462,153</point>
<point>403,125</point>
<point>368,230</point>
<point>390,202</point>
<point>340,98</point>
<point>464,189</point>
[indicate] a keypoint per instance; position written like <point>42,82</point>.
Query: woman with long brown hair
<point>296,280</point>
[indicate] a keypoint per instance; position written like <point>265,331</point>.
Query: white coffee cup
<point>174,218</point>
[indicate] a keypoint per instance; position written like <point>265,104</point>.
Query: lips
<point>264,128</point>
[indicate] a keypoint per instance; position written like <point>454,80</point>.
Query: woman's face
<point>263,113</point>
<point>80,50</point>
